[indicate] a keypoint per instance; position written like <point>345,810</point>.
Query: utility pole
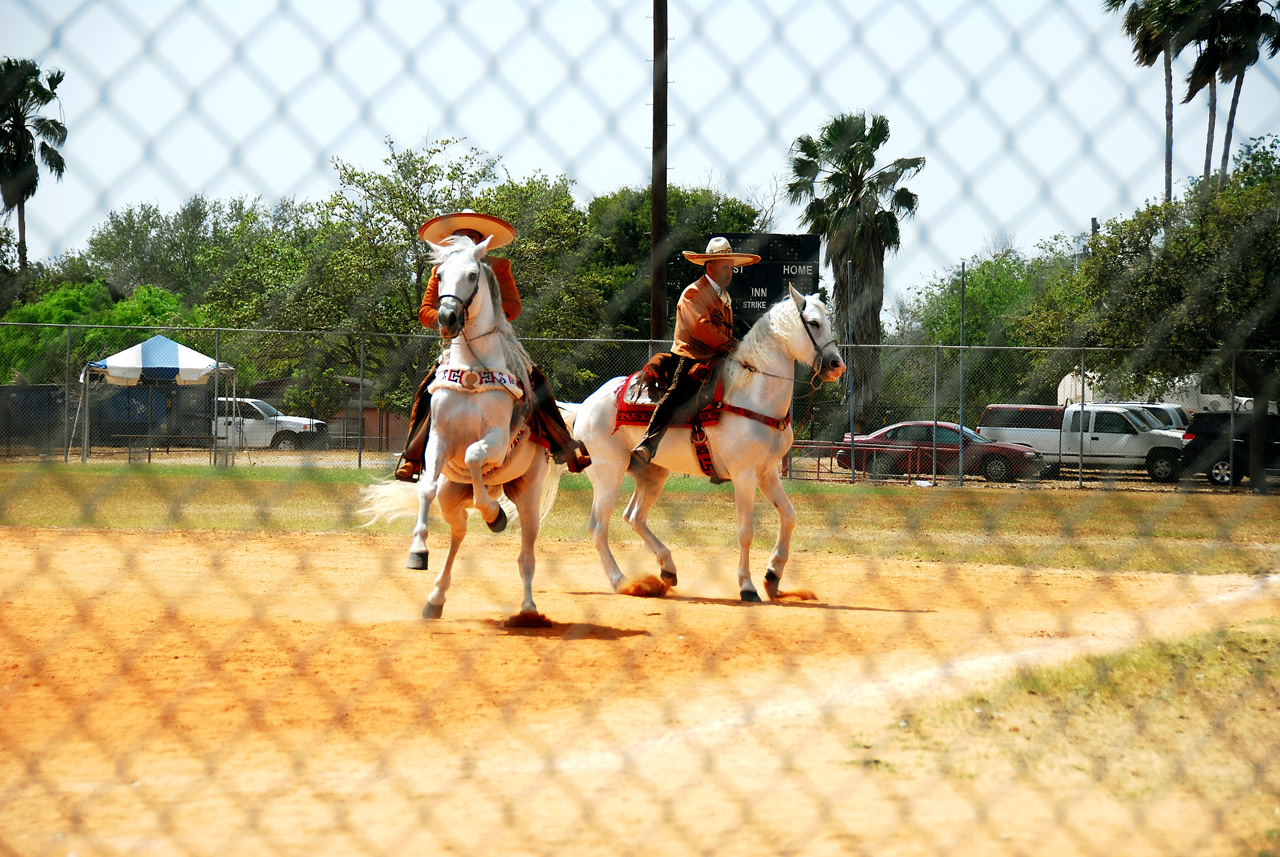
<point>658,184</point>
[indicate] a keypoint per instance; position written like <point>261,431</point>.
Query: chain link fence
<point>207,648</point>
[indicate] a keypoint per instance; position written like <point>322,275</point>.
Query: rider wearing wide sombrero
<point>548,422</point>
<point>704,333</point>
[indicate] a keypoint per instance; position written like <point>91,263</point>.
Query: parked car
<point>1169,415</point>
<point>908,448</point>
<point>255,424</point>
<point>1093,434</point>
<point>1206,450</point>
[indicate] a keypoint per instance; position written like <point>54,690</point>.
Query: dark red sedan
<point>908,448</point>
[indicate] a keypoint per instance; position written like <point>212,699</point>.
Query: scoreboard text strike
<point>784,260</point>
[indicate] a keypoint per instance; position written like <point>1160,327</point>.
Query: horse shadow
<point>569,631</point>
<point>786,603</point>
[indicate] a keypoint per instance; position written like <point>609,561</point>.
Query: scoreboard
<point>784,260</point>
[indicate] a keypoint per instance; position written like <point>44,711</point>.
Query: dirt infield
<point>188,693</point>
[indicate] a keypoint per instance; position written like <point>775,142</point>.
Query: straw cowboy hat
<point>439,228</point>
<point>718,248</point>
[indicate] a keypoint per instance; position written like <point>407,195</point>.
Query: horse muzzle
<point>449,319</point>
<point>832,368</point>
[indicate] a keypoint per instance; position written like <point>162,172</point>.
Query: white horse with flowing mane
<point>746,445</point>
<point>479,443</point>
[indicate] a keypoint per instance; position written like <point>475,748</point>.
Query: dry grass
<point>1195,720</point>
<point>1096,530</point>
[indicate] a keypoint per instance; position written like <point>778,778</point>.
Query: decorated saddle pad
<point>636,404</point>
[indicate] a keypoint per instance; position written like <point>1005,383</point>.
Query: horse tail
<point>386,501</point>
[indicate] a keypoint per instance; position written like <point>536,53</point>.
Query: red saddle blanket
<point>633,413</point>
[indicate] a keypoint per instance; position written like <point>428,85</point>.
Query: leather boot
<point>409,467</point>
<point>564,447</point>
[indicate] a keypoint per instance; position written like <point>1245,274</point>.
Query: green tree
<point>27,139</point>
<point>619,244</point>
<point>1186,287</point>
<point>384,209</point>
<point>858,209</point>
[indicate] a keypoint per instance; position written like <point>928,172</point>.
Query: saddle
<point>643,390</point>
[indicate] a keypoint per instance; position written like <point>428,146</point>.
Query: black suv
<point>1205,448</point>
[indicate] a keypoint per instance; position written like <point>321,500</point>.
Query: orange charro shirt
<point>511,306</point>
<point>704,323</point>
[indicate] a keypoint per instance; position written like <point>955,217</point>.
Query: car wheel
<point>880,466</point>
<point>1162,466</point>
<point>996,468</point>
<point>285,440</point>
<point>1220,474</point>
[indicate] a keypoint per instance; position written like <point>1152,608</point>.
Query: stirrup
<point>406,472</point>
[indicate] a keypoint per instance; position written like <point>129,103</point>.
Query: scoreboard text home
<point>784,260</point>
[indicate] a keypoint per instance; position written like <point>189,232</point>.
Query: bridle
<point>817,349</point>
<point>464,306</point>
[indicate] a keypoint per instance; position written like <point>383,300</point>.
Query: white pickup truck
<point>1113,436</point>
<point>255,424</point>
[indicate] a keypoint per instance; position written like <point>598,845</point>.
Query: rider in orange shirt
<point>704,333</point>
<point>547,420</point>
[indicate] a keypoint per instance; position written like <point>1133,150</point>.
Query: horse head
<point>461,278</point>
<point>819,341</point>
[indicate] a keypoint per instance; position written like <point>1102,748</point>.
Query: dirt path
<point>176,693</point>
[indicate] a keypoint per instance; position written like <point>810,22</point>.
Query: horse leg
<point>490,449</point>
<point>773,491</point>
<point>526,494</point>
<point>453,508</point>
<point>428,486</point>
<point>606,484</point>
<point>649,484</point>
<point>744,498</point>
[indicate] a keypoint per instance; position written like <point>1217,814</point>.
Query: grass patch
<point>1093,530</point>
<point>1197,718</point>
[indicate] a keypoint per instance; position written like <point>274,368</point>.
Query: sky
<point>1031,114</point>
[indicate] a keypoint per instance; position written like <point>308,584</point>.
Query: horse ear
<point>483,247</point>
<point>437,249</point>
<point>796,297</point>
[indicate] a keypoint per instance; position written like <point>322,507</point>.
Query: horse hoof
<point>669,577</point>
<point>417,561</point>
<point>432,611</point>
<point>499,523</point>
<point>751,595</point>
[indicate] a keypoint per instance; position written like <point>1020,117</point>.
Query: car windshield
<point>973,437</point>
<point>265,408</point>
<point>1145,419</point>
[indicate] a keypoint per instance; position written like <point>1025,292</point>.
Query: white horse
<point>746,447</point>
<point>479,443</point>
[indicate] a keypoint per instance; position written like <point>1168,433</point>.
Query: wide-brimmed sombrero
<point>718,248</point>
<point>439,228</point>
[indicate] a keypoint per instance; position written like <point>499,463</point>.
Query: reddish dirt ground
<point>248,693</point>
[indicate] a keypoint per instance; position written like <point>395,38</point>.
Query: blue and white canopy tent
<point>157,361</point>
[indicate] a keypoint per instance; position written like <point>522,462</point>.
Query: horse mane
<point>513,353</point>
<point>778,323</point>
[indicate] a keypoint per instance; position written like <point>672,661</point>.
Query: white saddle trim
<point>470,380</point>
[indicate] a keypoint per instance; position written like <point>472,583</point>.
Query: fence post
<point>360,413</point>
<point>960,445</point>
<point>1080,462</point>
<point>66,404</point>
<point>1231,429</point>
<point>935,415</point>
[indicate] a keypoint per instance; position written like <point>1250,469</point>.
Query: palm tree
<point>857,209</point>
<point>1154,25</point>
<point>24,91</point>
<point>1232,35</point>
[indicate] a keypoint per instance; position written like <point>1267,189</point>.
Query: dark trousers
<point>683,387</point>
